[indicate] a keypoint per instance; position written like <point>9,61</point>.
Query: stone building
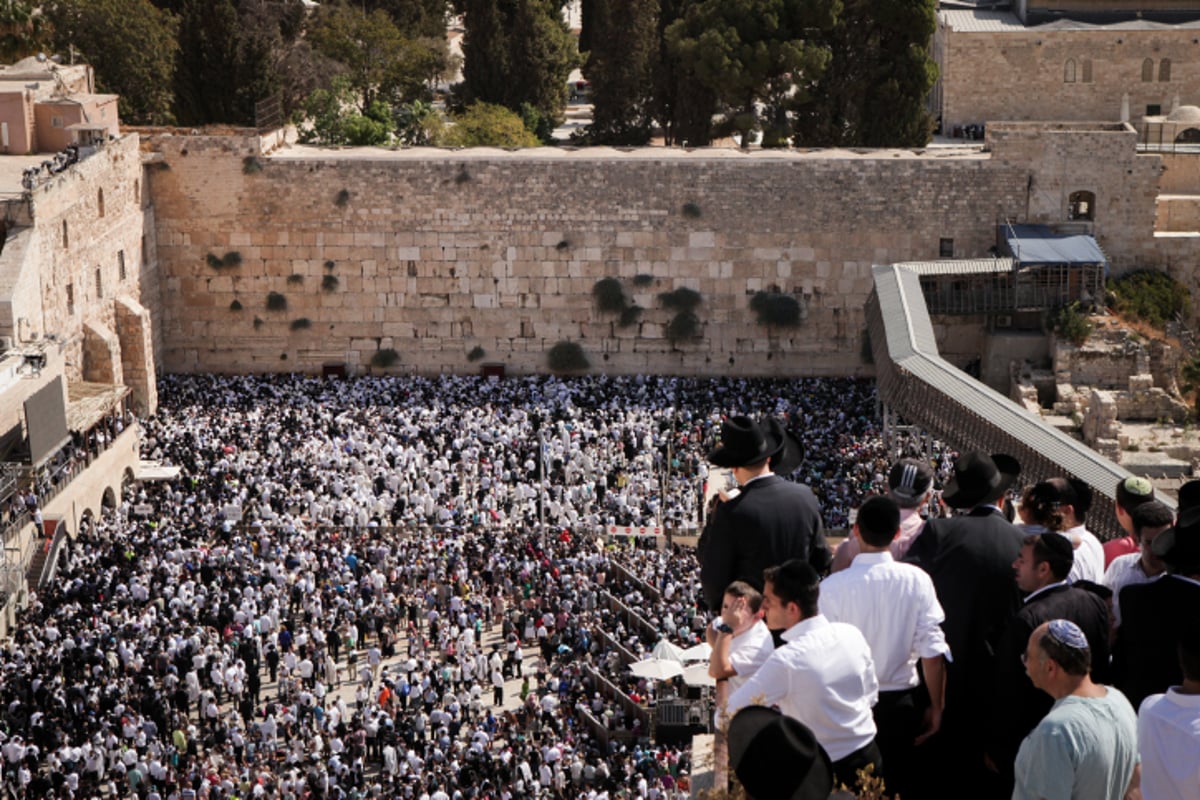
<point>994,67</point>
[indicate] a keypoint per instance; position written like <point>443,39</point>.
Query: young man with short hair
<point>823,675</point>
<point>1169,730</point>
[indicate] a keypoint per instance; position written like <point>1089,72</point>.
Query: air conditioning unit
<point>1004,320</point>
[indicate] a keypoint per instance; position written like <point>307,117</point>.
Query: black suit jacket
<point>1018,706</point>
<point>970,559</point>
<point>1145,657</point>
<point>769,522</point>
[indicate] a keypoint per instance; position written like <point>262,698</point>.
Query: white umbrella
<point>667,651</point>
<point>659,669</point>
<point>699,652</point>
<point>697,675</point>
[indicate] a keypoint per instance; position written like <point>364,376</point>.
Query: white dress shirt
<point>1169,744</point>
<point>748,651</point>
<point>895,607</point>
<point>824,677</point>
<point>1125,571</point>
<point>1089,555</point>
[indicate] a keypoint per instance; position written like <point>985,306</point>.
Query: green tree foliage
<point>567,357</point>
<point>609,295</point>
<point>1072,325</point>
<point>331,118</point>
<point>619,67</point>
<point>233,53</point>
<point>775,309</point>
<point>22,31</point>
<point>683,106</point>
<point>130,43</point>
<point>873,93</point>
<point>518,52</point>
<point>419,18</point>
<point>380,60</point>
<point>749,52</point>
<point>1150,296</point>
<point>418,123</point>
<point>487,125</point>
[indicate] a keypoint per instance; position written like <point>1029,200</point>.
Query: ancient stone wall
<point>434,253</point>
<point>1027,74</point>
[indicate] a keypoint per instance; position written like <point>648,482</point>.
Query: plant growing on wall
<point>295,279</point>
<point>775,309</point>
<point>251,165</point>
<point>683,327</point>
<point>236,305</point>
<point>276,302</point>
<point>642,280</point>
<point>681,299</point>
<point>1150,296</point>
<point>476,353</point>
<point>228,261</point>
<point>691,210</point>
<point>329,283</point>
<point>343,197</point>
<point>258,323</point>
<point>609,295</point>
<point>629,316</point>
<point>301,324</point>
<point>385,357</point>
<point>566,357</point>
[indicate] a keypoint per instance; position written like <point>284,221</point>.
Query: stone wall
<point>433,253</point>
<point>1020,74</point>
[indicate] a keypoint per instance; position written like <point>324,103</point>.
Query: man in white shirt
<point>1169,730</point>
<point>896,608</point>
<point>823,675</point>
<point>740,644</point>
<point>1147,521</point>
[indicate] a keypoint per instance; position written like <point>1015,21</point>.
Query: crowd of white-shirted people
<point>392,563</point>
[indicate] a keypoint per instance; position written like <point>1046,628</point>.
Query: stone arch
<point>1148,70</point>
<point>1188,136</point>
<point>1069,71</point>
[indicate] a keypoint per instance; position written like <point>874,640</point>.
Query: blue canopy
<point>1031,245</point>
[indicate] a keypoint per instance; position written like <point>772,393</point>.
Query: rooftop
<point>989,21</point>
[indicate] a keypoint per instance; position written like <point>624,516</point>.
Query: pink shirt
<point>911,525</point>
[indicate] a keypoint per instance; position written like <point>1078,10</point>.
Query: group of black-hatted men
<point>978,664</point>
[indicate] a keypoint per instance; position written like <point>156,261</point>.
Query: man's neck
<point>746,474</point>
<point>1188,687</point>
<point>1081,687</point>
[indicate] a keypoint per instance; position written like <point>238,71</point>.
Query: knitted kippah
<point>1067,633</point>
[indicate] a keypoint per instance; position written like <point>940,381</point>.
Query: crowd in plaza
<point>353,633</point>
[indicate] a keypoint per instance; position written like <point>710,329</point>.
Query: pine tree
<point>619,68</point>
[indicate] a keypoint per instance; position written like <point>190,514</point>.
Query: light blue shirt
<point>1084,749</point>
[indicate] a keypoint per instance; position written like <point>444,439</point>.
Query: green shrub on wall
<point>1072,325</point>
<point>629,316</point>
<point>329,283</point>
<point>609,295</point>
<point>236,305</point>
<point>1150,296</point>
<point>567,357</point>
<point>384,358</point>
<point>295,279</point>
<point>681,300</point>
<point>276,302</point>
<point>476,353</point>
<point>776,309</point>
<point>301,324</point>
<point>683,326</point>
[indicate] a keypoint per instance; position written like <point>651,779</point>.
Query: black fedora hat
<point>777,757</point>
<point>789,452</point>
<point>1179,545</point>
<point>743,442</point>
<point>979,478</point>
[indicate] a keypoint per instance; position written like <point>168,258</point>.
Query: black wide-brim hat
<point>789,453</point>
<point>979,478</point>
<point>1179,545</point>
<point>743,442</point>
<point>777,757</point>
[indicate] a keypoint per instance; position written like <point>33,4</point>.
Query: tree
<point>619,67</point>
<point>380,60</point>
<point>748,52</point>
<point>418,123</point>
<point>130,44</point>
<point>23,32</point>
<point>488,125</point>
<point>682,105</point>
<point>417,18</point>
<point>234,53</point>
<point>518,52</point>
<point>873,93</point>
<point>332,120</point>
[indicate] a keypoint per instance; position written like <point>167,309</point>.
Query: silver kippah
<point>1068,633</point>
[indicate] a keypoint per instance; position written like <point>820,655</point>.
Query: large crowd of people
<point>347,578</point>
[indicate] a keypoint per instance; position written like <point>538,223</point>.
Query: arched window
<point>1188,136</point>
<point>1069,71</point>
<point>1148,70</point>
<point>1087,70</point>
<point>1164,70</point>
<point>1082,206</point>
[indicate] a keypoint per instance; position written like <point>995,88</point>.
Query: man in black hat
<point>777,757</point>
<point>1041,571</point>
<point>768,521</point>
<point>970,559</point>
<point>1145,660</point>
